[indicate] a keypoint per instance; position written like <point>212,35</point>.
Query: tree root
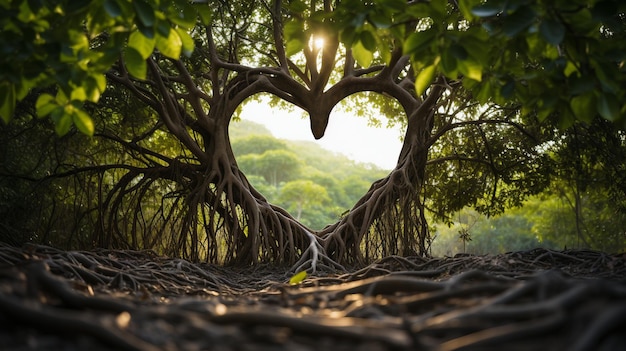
<point>175,304</point>
<point>314,258</point>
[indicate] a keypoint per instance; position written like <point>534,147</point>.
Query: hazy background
<point>346,134</point>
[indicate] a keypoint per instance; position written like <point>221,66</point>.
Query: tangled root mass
<point>136,300</point>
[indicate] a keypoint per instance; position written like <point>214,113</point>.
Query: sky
<point>346,134</point>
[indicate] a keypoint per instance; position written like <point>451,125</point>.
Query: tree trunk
<point>389,219</point>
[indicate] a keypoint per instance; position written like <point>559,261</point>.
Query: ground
<point>127,300</point>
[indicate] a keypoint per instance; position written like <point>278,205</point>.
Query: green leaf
<point>417,41</point>
<point>294,29</point>
<point>45,104</point>
<point>112,8</point>
<point>608,107</point>
<point>362,56</point>
<point>487,10</point>
<point>518,21</point>
<point>170,46</point>
<point>368,40</point>
<point>380,20</point>
<point>424,78</point>
<point>204,11</point>
<point>73,7</point>
<point>62,121</point>
<point>142,44</point>
<point>508,89</point>
<point>553,31</point>
<point>471,69</point>
<point>135,64</point>
<point>347,36</point>
<point>145,12</point>
<point>61,97</point>
<point>79,94</point>
<point>83,122</point>
<point>297,6</point>
<point>183,14</point>
<point>297,278</point>
<point>396,5</point>
<point>7,94</point>
<point>457,51</point>
<point>163,28</point>
<point>570,68</point>
<point>294,46</point>
<point>92,89</point>
<point>448,64</point>
<point>476,48</point>
<point>466,6</point>
<point>187,40</point>
<point>147,31</point>
<point>385,55</point>
<point>485,92</point>
<point>609,77</point>
<point>584,107</point>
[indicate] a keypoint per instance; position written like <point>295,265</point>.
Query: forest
<point>329,183</point>
<point>139,212</point>
<point>319,186</point>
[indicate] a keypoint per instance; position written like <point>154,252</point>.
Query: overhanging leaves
<point>424,79</point>
<point>362,55</point>
<point>584,106</point>
<point>135,64</point>
<point>608,107</point>
<point>170,46</point>
<point>145,12</point>
<point>83,122</point>
<point>417,41</point>
<point>7,94</point>
<point>141,44</point>
<point>552,31</point>
<point>518,21</point>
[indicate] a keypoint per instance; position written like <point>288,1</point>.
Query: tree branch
<point>278,36</point>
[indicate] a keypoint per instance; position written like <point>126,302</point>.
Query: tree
<point>564,59</point>
<point>302,195</point>
<point>73,44</point>
<point>589,182</point>
<point>511,231</point>
<point>256,144</point>
<point>434,59</point>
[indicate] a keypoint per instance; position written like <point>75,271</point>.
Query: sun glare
<point>317,42</point>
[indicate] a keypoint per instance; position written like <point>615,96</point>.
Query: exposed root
<point>314,258</point>
<point>128,300</point>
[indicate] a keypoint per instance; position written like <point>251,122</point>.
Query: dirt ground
<point>128,300</point>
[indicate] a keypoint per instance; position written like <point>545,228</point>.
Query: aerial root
<point>314,258</point>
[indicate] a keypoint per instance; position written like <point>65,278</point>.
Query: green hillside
<point>314,184</point>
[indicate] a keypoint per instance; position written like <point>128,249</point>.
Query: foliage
<point>511,231</point>
<point>564,59</point>
<point>276,166</point>
<point>254,143</point>
<point>582,207</point>
<point>301,194</point>
<point>70,45</point>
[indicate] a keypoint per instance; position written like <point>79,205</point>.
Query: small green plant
<point>465,236</point>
